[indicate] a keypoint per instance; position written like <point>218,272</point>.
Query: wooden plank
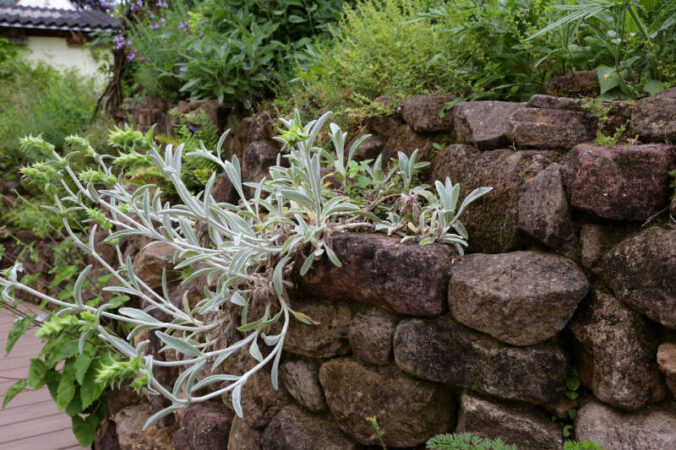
<point>28,428</point>
<point>46,441</point>
<point>32,411</point>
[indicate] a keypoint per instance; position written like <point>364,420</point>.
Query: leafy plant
<point>582,445</point>
<point>227,50</point>
<point>601,112</point>
<point>75,364</point>
<point>466,441</point>
<point>630,43</point>
<point>254,247</point>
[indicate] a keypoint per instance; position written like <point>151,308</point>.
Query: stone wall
<point>572,265</point>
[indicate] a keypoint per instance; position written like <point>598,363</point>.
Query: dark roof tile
<point>50,18</point>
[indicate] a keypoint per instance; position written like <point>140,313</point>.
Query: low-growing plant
<point>254,247</point>
<point>601,112</point>
<point>466,441</point>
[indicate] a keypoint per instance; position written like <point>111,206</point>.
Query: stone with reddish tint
<point>406,278</point>
<point>483,123</point>
<point>444,351</point>
<point>615,350</point>
<point>409,411</point>
<point>641,271</point>
<point>543,210</point>
<point>520,298</point>
<point>492,220</point>
<point>596,240</point>
<point>666,360</point>
<point>243,437</point>
<point>371,335</point>
<point>325,339</point>
<point>549,128</point>
<point>204,427</point>
<point>404,139</point>
<point>514,424</point>
<point>152,262</point>
<point>654,118</point>
<point>370,148</point>
<point>621,183</point>
<point>649,429</point>
<point>294,429</point>
<point>301,380</point>
<point>574,84</point>
<point>425,113</point>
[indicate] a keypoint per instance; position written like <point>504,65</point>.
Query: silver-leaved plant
<point>252,246</point>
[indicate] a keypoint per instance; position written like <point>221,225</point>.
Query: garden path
<point>31,421</point>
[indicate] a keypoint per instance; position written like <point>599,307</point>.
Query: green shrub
<point>381,47</point>
<point>227,50</point>
<point>40,100</point>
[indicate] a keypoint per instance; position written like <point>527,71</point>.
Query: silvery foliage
<point>253,248</point>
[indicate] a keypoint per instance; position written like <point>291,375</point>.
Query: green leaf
<point>37,373</point>
<point>85,429</point>
<point>90,390</point>
<point>82,363</point>
<point>13,391</point>
<point>608,78</point>
<point>654,87</point>
<point>75,406</point>
<point>65,391</point>
<point>19,329</point>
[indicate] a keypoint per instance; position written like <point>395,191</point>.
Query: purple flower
<point>184,26</point>
<point>152,16</point>
<point>132,56</point>
<point>119,42</point>
<point>162,4</point>
<point>154,26</point>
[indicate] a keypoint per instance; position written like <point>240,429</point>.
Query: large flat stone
<point>651,429</point>
<point>516,424</point>
<point>641,271</point>
<point>615,349</point>
<point>520,298</point>
<point>621,183</point>
<point>445,351</point>
<point>409,411</point>
<point>326,339</point>
<point>379,270</point>
<point>549,128</point>
<point>483,123</point>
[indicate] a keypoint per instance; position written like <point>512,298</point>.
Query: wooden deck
<point>31,420</point>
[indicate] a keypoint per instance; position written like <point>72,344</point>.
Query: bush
<point>487,49</point>
<point>40,100</point>
<point>227,50</point>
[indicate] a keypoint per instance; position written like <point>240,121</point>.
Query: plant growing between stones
<point>253,248</point>
<point>466,441</point>
<point>602,114</point>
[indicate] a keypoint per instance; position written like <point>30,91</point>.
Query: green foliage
<point>466,441</point>
<point>582,445</point>
<point>255,247</point>
<point>601,112</point>
<point>228,50</point>
<point>75,363</point>
<point>487,49</point>
<point>7,50</point>
<point>39,100</point>
<point>630,43</point>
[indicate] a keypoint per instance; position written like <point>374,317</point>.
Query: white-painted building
<point>54,32</point>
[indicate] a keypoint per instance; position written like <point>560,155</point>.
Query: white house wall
<point>55,51</point>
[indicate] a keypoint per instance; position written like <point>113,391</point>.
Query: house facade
<point>56,33</point>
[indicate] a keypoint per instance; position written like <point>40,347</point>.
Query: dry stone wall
<point>572,265</point>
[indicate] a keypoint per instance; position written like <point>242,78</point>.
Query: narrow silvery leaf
<point>77,290</point>
<point>178,344</point>
<point>157,416</point>
<point>137,314</point>
<point>277,276</point>
<point>237,400</point>
<point>255,351</point>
